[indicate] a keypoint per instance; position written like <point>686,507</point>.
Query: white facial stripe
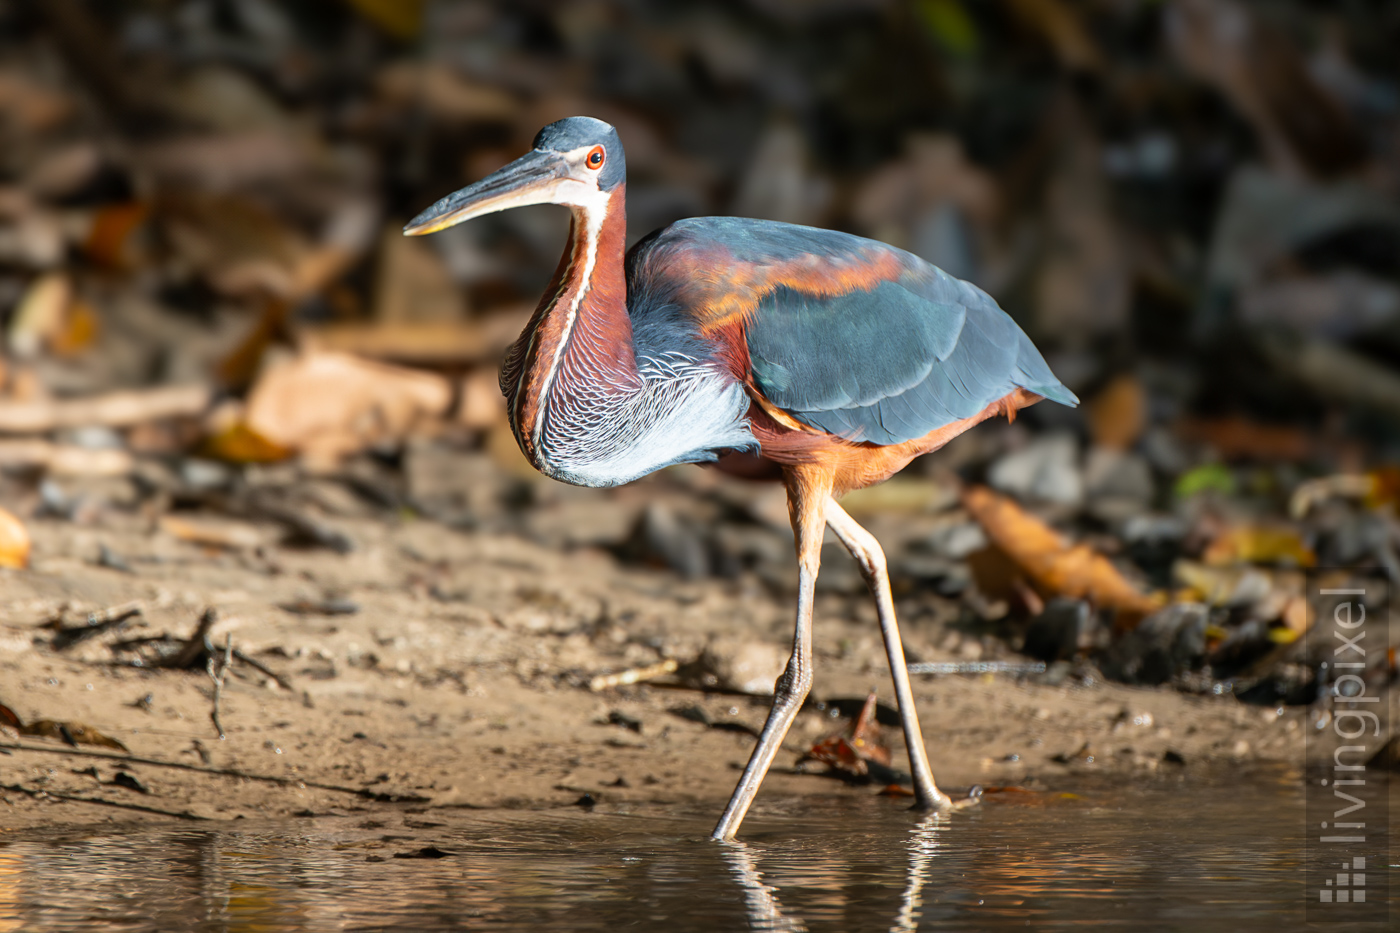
<point>588,217</point>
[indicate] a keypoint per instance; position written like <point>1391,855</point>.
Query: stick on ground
<point>218,677</point>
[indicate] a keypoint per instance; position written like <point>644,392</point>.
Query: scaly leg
<point>867,552</point>
<point>809,495</point>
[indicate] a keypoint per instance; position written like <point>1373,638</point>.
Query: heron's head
<point>576,162</point>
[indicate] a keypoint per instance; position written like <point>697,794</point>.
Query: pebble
<point>1046,469</point>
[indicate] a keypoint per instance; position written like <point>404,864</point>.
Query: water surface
<point>1220,857</point>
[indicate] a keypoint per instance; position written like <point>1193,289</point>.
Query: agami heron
<point>837,357</point>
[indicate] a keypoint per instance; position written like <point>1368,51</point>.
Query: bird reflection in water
<point>765,910</point>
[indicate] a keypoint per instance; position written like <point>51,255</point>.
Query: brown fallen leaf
<point>73,733</point>
<point>1378,489</point>
<point>853,748</point>
<point>39,314</point>
<point>109,240</point>
<point>327,405</point>
<point>1237,438</point>
<point>76,332</point>
<point>1221,586</point>
<point>239,443</point>
<point>1054,566</point>
<point>1385,488</point>
<point>14,542</point>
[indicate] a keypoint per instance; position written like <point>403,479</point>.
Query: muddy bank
<point>460,680</point>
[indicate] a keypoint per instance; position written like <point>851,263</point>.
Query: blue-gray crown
<point>575,132</point>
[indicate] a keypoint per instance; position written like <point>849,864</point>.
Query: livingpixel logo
<point>1347,809</point>
<point>1351,884</point>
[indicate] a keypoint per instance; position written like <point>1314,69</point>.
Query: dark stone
<point>1165,644</point>
<point>1058,633</point>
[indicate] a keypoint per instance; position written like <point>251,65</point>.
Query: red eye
<point>595,158</point>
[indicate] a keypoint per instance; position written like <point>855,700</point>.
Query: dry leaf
<point>1237,438</point>
<point>76,332</point>
<point>1222,586</point>
<point>327,405</point>
<point>853,748</point>
<point>39,314</point>
<point>14,542</point>
<point>220,534</point>
<point>74,733</point>
<point>109,241</point>
<point>239,443</point>
<point>1118,414</point>
<point>1255,544</point>
<point>1055,567</point>
<point>1385,488</point>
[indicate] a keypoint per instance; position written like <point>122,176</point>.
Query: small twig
<point>196,644</point>
<point>218,678</point>
<point>262,668</point>
<point>633,675</point>
<point>97,622</point>
<point>222,772</point>
<point>39,794</point>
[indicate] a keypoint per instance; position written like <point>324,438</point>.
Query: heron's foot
<point>940,802</point>
<point>973,798</point>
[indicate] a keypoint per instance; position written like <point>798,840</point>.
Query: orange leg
<point>868,553</point>
<point>809,496</point>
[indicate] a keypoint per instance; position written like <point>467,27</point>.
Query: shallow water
<point>1219,857</point>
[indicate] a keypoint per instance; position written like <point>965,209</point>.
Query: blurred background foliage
<point>1191,206</point>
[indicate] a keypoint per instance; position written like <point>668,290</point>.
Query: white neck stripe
<point>590,218</point>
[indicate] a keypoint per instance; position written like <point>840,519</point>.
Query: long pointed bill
<point>534,178</point>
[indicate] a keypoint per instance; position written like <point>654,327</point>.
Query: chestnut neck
<point>580,336</point>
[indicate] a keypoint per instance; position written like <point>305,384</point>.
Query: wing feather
<point>845,334</point>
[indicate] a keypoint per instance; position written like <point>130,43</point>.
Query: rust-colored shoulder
<point>719,269</point>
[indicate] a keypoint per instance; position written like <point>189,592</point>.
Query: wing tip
<point>1056,393</point>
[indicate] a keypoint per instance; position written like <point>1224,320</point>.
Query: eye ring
<point>595,158</point>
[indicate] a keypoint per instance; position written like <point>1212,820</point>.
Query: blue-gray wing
<point>845,334</point>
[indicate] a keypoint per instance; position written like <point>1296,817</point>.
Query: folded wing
<point>845,334</point>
